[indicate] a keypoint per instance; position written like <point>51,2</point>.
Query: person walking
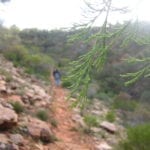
<point>57,77</point>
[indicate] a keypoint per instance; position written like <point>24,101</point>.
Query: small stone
<point>77,118</point>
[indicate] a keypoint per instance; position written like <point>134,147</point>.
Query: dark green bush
<point>38,64</point>
<point>145,97</point>
<point>138,138</point>
<point>18,107</point>
<point>42,115</point>
<point>17,54</point>
<point>66,84</point>
<point>8,76</point>
<point>128,105</point>
<point>140,115</point>
<point>110,116</point>
<point>53,122</point>
<point>91,121</point>
<point>103,96</point>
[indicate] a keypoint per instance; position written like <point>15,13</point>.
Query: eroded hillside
<point>36,116</point>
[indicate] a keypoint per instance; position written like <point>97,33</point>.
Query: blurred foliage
<point>66,84</point>
<point>145,96</point>
<point>17,106</point>
<point>91,121</point>
<point>140,115</point>
<point>137,138</point>
<point>39,50</point>
<point>103,96</point>
<point>105,39</point>
<point>110,116</point>
<point>42,114</point>
<point>124,104</point>
<point>4,1</point>
<point>144,71</point>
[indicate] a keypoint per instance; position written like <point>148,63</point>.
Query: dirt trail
<point>69,139</point>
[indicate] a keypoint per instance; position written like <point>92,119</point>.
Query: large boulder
<point>17,139</point>
<point>39,91</point>
<point>45,136</point>
<point>19,79</point>
<point>8,117</point>
<point>36,93</point>
<point>39,130</point>
<point>3,86</point>
<point>14,85</point>
<point>110,127</point>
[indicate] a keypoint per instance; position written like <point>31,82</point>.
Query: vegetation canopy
<point>103,40</point>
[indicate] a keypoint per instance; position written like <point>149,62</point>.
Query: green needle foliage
<point>80,71</point>
<point>104,38</point>
<point>144,71</point>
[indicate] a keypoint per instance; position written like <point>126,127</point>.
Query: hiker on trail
<point>57,77</point>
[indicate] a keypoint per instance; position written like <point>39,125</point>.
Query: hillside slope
<point>22,97</point>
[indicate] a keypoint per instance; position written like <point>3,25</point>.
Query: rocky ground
<point>22,96</point>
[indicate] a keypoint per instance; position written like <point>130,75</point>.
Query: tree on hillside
<point>103,39</point>
<point>4,1</point>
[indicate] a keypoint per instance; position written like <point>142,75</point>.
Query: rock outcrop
<point>17,139</point>
<point>8,118</point>
<point>19,128</point>
<point>27,131</point>
<point>37,128</point>
<point>110,127</point>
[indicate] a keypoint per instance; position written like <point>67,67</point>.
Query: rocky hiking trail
<point>68,138</point>
<point>63,128</point>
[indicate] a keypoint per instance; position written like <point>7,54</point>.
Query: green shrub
<point>8,76</point>
<point>66,84</point>
<point>140,115</point>
<point>37,64</point>
<point>128,105</point>
<point>92,90</point>
<point>17,54</point>
<point>53,122</point>
<point>138,138</point>
<point>103,96</point>
<point>18,107</point>
<point>110,116</point>
<point>145,96</point>
<point>91,121</point>
<point>42,115</point>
